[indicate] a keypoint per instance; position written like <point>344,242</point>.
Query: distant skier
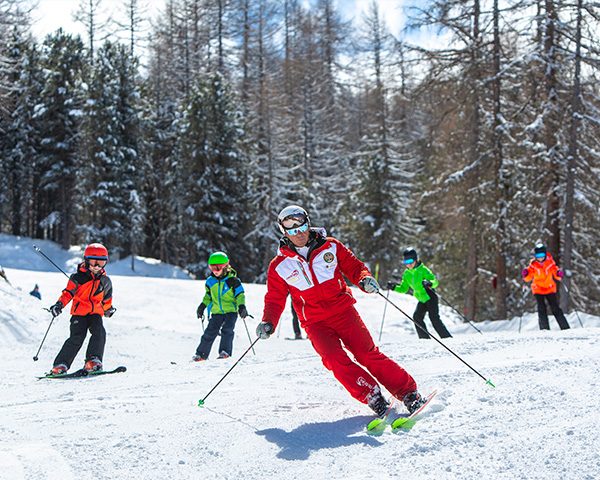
<point>3,274</point>
<point>311,268</point>
<point>224,298</point>
<point>36,292</point>
<point>543,273</point>
<point>422,282</point>
<point>90,289</point>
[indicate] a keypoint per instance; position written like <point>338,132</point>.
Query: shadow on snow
<point>298,444</point>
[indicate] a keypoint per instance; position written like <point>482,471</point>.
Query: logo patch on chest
<point>293,277</point>
<point>328,257</point>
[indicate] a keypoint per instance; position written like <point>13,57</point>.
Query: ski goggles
<point>96,263</point>
<point>296,230</point>
<point>217,268</point>
<point>540,255</point>
<point>408,261</point>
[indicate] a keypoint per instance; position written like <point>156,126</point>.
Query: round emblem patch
<point>328,257</point>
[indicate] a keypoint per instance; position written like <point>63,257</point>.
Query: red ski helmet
<point>95,251</point>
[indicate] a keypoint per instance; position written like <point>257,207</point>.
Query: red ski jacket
<point>90,294</point>
<point>316,285</point>
<point>543,275</point>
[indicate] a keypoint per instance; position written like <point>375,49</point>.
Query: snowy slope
<point>18,252</point>
<point>280,414</point>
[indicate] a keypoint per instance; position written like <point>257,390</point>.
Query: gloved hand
<point>524,272</point>
<point>369,285</point>
<point>200,310</point>
<point>560,274</point>
<point>426,284</point>
<point>242,311</point>
<point>56,309</point>
<point>110,312</point>
<point>391,285</point>
<point>264,330</point>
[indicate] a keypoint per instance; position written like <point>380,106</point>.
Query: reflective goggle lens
<point>217,268</point>
<point>96,263</point>
<point>540,255</point>
<point>297,230</point>
<point>408,261</point>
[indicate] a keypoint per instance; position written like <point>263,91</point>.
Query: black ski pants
<point>80,324</point>
<point>556,311</point>
<point>431,307</point>
<point>225,323</point>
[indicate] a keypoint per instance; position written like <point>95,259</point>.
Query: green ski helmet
<point>218,258</point>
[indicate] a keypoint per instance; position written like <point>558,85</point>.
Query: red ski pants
<point>348,329</point>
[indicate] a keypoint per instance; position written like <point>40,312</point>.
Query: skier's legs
<point>418,317</point>
<point>557,311</point>
<point>358,341</point>
<point>542,313</point>
<point>97,340</point>
<point>327,344</point>
<point>433,309</point>
<point>227,332</point>
<point>69,350</point>
<point>211,332</point>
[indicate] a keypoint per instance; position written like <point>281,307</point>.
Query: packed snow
<point>279,413</point>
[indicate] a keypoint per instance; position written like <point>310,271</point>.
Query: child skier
<point>422,282</point>
<point>90,289</point>
<point>542,272</point>
<point>224,298</point>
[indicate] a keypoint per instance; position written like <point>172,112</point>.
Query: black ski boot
<point>378,403</point>
<point>413,401</point>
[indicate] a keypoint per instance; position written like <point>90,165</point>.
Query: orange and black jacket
<point>90,294</point>
<point>543,276</point>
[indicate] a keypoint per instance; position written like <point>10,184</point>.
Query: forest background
<point>183,133</point>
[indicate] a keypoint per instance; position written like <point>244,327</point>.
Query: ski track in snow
<point>280,414</point>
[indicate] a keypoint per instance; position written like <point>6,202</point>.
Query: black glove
<point>264,330</point>
<point>110,312</point>
<point>56,309</point>
<point>427,284</point>
<point>242,311</point>
<point>200,310</point>
<point>391,285</point>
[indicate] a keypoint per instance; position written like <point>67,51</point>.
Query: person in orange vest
<point>90,289</point>
<point>543,273</point>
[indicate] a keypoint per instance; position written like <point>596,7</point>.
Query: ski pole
<point>575,309</point>
<point>201,402</point>
<point>37,249</point>
<point>35,357</point>
<point>248,332</point>
<point>463,317</point>
<point>383,318</point>
<point>487,380</point>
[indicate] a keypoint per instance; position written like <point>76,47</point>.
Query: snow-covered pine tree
<point>212,169</point>
<point>110,156</point>
<point>59,116</point>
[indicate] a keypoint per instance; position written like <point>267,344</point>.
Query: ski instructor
<point>309,267</point>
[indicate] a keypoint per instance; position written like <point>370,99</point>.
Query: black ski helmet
<point>410,253</point>
<point>539,248</point>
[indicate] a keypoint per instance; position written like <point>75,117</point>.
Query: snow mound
<point>20,316</point>
<point>18,253</point>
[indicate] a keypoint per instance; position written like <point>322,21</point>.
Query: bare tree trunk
<point>501,180</point>
<point>567,262</point>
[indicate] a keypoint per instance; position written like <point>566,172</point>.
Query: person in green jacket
<point>224,298</point>
<point>422,282</point>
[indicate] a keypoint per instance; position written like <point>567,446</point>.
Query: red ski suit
<point>325,308</point>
